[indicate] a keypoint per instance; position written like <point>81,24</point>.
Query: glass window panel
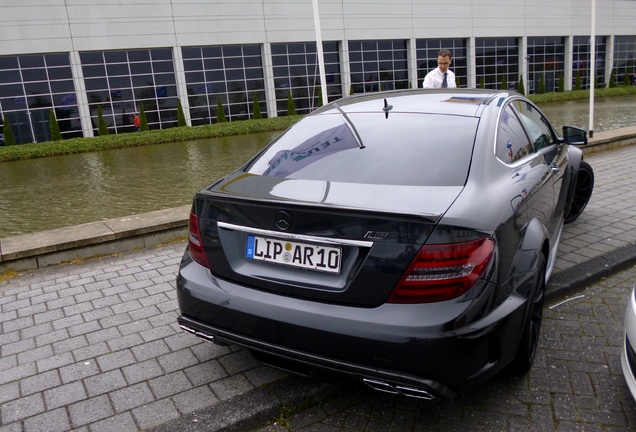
<point>119,82</point>
<point>253,73</point>
<point>11,90</point>
<point>161,54</point>
<point>95,84</point>
<point>63,86</point>
<point>193,65</point>
<point>94,71</point>
<point>115,57</point>
<point>34,74</point>
<point>39,101</point>
<point>142,80</point>
<point>232,51</point>
<point>88,58</point>
<point>56,60</point>
<point>36,87</point>
<point>138,56</point>
<point>165,78</point>
<point>8,62</point>
<point>57,73</point>
<point>279,49</point>
<point>214,75</point>
<point>193,77</point>
<point>213,63</point>
<point>140,68</point>
<point>191,52</point>
<point>117,69</point>
<point>251,50</point>
<point>31,61</point>
<point>233,63</point>
<point>163,66</point>
<point>98,96</point>
<point>212,52</point>
<point>11,76</point>
<point>253,62</point>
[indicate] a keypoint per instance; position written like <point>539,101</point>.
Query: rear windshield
<point>403,149</point>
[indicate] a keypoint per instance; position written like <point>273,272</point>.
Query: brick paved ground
<point>576,383</point>
<point>94,346</point>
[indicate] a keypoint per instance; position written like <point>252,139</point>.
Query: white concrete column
<point>345,70</point>
<point>80,94</point>
<point>609,58</point>
<point>523,62</point>
<point>182,90</point>
<point>268,77</point>
<point>411,55</point>
<point>568,62</point>
<point>471,65</point>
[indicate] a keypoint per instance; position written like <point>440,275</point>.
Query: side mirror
<point>574,135</point>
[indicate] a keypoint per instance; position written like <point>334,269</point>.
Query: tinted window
<point>512,141</point>
<point>403,149</point>
<point>536,125</point>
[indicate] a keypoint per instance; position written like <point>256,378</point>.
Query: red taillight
<point>195,246</point>
<point>443,272</point>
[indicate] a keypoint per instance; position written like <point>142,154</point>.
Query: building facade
<point>78,57</point>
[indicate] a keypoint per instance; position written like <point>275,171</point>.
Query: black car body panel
<point>396,236</point>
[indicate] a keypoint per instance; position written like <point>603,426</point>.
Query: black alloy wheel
<point>582,192</point>
<point>527,350</point>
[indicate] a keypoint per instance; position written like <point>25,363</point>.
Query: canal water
<point>42,194</point>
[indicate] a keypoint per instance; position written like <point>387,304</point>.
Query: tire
<point>529,341</point>
<point>582,192</point>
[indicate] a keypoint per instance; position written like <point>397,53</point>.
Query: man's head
<point>444,60</point>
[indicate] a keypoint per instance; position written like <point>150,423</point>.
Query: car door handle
<point>554,169</point>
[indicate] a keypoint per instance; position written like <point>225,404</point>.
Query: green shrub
<point>577,81</point>
<point>220,113</point>
<point>181,120</point>
<point>626,80</point>
<point>256,110</point>
<point>482,83</point>
<point>291,109</point>
<point>320,102</point>
<point>520,88</point>
<point>102,129</point>
<point>351,92</point>
<point>54,127</point>
<point>143,121</point>
<point>504,84</point>
<point>561,87</point>
<point>542,84</point>
<point>9,139</point>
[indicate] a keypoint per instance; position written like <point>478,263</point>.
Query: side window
<point>512,141</point>
<point>536,125</point>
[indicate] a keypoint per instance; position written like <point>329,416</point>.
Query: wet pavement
<point>94,346</point>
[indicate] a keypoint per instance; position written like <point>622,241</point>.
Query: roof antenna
<point>386,108</point>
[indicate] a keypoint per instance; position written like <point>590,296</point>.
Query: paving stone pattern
<point>94,346</point>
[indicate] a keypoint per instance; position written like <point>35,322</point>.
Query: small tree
<point>351,92</point>
<point>220,113</point>
<point>181,120</point>
<point>457,82</point>
<point>102,129</point>
<point>612,80</point>
<point>577,81</point>
<point>504,84</point>
<point>561,87</point>
<point>256,110</point>
<point>9,139</point>
<point>291,109</point>
<point>320,102</point>
<point>143,121</point>
<point>542,84</point>
<point>520,88</point>
<point>626,80</point>
<point>54,127</point>
<point>482,83</point>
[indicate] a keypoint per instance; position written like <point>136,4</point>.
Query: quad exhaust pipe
<point>408,391</point>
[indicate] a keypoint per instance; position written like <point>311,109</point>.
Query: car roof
<point>466,102</point>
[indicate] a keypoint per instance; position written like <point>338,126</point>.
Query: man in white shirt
<point>441,76</point>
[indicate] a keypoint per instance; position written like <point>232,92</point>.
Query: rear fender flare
<point>526,262</point>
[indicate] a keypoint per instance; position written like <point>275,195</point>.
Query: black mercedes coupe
<point>402,237</point>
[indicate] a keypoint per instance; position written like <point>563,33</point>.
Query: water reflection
<point>42,194</point>
<point>46,193</point>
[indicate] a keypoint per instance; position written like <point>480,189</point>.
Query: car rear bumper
<point>439,348</point>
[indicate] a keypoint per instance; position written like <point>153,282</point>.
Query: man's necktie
<point>444,83</point>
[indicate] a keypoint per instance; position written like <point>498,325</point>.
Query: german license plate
<point>295,254</point>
